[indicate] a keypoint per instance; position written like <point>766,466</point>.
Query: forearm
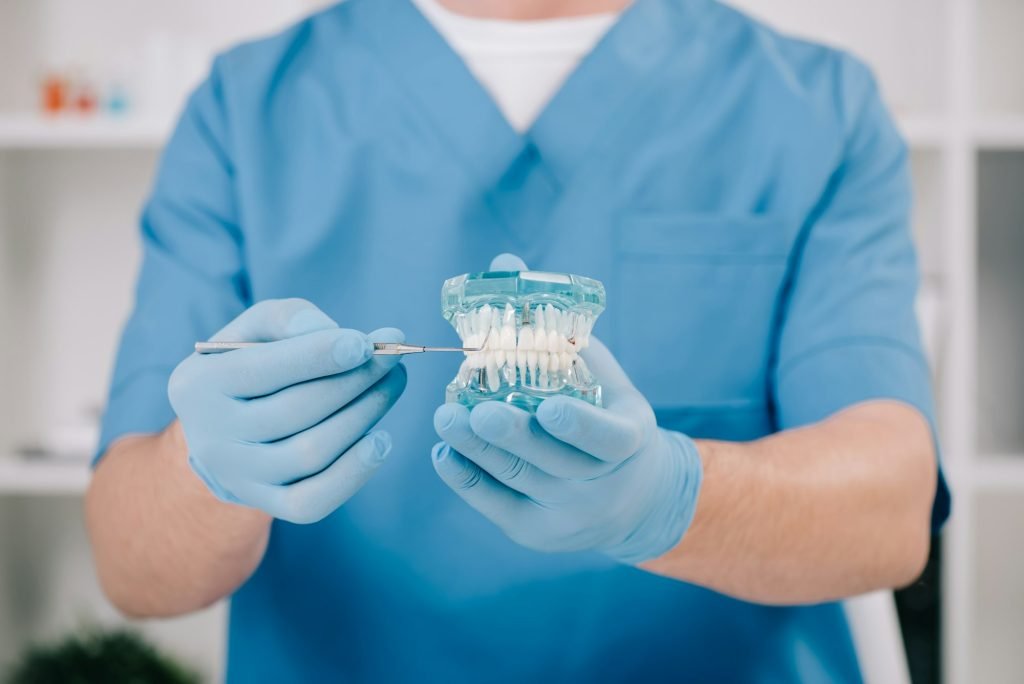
<point>819,513</point>
<point>163,544</point>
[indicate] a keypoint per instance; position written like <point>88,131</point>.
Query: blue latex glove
<point>574,477</point>
<point>283,427</point>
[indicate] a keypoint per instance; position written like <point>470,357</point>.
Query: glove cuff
<point>211,484</point>
<point>676,503</point>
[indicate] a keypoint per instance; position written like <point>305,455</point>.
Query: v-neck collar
<point>609,79</point>
<point>566,129</point>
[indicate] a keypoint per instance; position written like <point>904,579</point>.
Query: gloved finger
<point>268,368</point>
<point>495,501</point>
<point>508,262</point>
<point>515,431</point>
<point>275,319</point>
<point>610,436</point>
<point>311,451</point>
<point>451,421</point>
<point>314,498</point>
<point>299,407</point>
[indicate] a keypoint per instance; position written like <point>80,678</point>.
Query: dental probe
<point>379,348</point>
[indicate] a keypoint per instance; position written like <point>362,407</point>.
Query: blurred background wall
<point>72,182</point>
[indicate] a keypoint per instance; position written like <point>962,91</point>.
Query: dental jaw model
<point>530,327</point>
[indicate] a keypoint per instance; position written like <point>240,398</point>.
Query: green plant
<point>95,657</point>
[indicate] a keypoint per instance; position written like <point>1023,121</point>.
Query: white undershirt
<point>521,64</point>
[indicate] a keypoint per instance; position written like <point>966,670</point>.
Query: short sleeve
<point>192,278</point>
<point>849,331</point>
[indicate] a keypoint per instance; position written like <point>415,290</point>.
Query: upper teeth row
<point>550,329</point>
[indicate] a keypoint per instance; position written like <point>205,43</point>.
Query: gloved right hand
<point>283,427</point>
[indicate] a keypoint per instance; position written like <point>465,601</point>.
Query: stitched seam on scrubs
<point>845,343</point>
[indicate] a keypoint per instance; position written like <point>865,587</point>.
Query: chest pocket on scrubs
<point>695,299</point>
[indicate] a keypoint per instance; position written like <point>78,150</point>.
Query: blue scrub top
<point>744,197</point>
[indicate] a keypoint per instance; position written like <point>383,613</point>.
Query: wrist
<point>249,521</point>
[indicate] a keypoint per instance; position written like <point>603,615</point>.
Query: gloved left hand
<point>574,477</point>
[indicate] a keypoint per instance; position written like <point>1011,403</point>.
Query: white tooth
<point>553,363</point>
<point>551,318</point>
<point>484,316</point>
<point>554,341</point>
<point>531,362</point>
<point>496,328</point>
<point>499,357</point>
<point>476,360</point>
<point>526,338</point>
<point>493,379</point>
<point>564,360</point>
<point>540,342</point>
<point>508,338</point>
<point>463,376</point>
<point>584,336</point>
<point>509,316</point>
<point>521,365</point>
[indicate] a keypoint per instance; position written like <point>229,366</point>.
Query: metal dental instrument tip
<point>379,348</point>
<point>395,348</point>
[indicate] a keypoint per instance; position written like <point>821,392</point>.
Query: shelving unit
<point>1000,133</point>
<point>70,190</point>
<point>43,477</point>
<point>31,131</point>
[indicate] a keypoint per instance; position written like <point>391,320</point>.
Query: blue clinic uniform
<point>743,196</point>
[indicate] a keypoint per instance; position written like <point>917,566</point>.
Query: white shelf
<point>29,131</point>
<point>1000,133</point>
<point>19,476</point>
<point>1003,472</point>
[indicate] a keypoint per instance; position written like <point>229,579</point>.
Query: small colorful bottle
<point>116,101</point>
<point>54,94</point>
<point>85,101</point>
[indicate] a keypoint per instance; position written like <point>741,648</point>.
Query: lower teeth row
<point>532,369</point>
